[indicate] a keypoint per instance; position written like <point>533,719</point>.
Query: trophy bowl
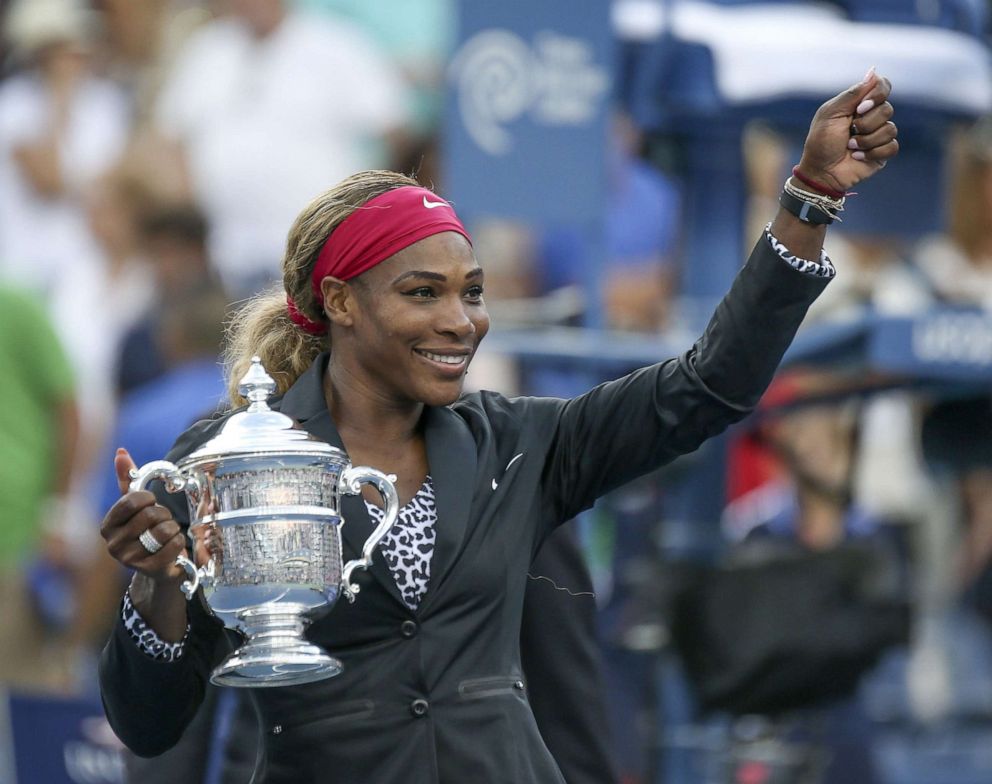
<point>265,536</point>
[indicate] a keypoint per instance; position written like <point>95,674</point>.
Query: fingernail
<point>121,450</point>
<point>865,105</point>
<point>858,156</point>
<point>871,72</point>
<point>852,144</point>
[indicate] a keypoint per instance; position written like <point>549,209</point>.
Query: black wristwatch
<point>806,211</point>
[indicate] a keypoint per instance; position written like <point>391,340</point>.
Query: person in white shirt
<point>269,104</point>
<point>60,128</point>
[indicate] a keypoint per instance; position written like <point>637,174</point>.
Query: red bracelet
<point>817,186</point>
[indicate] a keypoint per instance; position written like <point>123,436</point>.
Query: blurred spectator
<point>957,266</point>
<point>948,499</point>
<point>957,440</point>
<point>809,507</point>
<point>60,128</point>
<point>174,243</point>
<point>640,239</point>
<point>876,278</point>
<point>97,306</point>
<point>271,106</point>
<point>189,334</point>
<point>541,276</point>
<point>39,426</point>
<point>809,502</point>
<point>143,39</point>
<point>951,671</point>
<point>417,35</point>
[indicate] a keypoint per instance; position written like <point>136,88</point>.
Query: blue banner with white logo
<point>56,740</point>
<point>529,89</point>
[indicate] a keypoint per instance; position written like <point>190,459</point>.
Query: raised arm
<point>852,136</point>
<point>628,427</point>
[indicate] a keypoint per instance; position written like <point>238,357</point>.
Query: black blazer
<point>560,654</point>
<point>561,660</point>
<point>443,699</point>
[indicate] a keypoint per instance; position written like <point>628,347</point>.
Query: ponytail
<point>262,328</point>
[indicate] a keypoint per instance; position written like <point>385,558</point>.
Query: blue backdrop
<point>527,110</point>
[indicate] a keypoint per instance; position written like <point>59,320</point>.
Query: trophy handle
<point>157,469</point>
<point>174,483</point>
<point>350,483</point>
<point>203,575</point>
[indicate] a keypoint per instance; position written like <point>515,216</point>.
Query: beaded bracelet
<point>810,207</point>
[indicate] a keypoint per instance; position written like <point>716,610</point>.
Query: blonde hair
<point>262,327</point>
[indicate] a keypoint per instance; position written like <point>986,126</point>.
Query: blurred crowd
<point>152,156</point>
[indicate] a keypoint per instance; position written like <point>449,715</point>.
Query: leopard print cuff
<point>148,642</point>
<point>824,268</point>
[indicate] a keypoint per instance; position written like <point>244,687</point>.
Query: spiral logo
<point>494,78</point>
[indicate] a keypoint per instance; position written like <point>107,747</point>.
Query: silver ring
<point>149,542</point>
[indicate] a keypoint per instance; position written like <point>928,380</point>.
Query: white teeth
<point>446,359</point>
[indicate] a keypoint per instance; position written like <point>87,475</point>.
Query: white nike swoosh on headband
<point>432,204</point>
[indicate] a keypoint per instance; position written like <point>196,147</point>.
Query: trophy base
<point>276,654</point>
<point>254,667</point>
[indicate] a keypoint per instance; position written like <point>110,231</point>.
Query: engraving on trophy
<point>286,486</point>
<point>305,552</point>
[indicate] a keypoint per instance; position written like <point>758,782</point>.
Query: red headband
<point>372,233</point>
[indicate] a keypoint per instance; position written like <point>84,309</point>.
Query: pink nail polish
<point>858,155</point>
<point>852,144</point>
<point>871,72</point>
<point>865,105</point>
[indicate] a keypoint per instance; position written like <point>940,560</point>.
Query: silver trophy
<point>265,532</point>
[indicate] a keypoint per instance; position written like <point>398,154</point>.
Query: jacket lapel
<point>305,403</point>
<point>451,453</point>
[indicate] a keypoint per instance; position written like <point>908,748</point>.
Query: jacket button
<point>419,708</point>
<point>408,629</point>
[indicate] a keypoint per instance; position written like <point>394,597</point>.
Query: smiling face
<point>412,323</point>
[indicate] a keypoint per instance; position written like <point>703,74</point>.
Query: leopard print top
<point>408,547</point>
